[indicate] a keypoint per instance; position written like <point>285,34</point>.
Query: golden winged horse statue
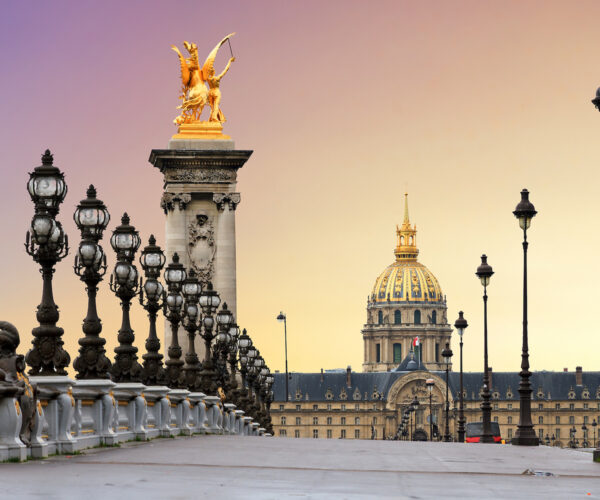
<point>194,94</point>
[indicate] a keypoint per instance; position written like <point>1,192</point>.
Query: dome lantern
<point>406,247</point>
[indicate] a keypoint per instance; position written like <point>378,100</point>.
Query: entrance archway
<point>420,435</point>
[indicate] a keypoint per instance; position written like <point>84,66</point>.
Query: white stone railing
<point>74,415</point>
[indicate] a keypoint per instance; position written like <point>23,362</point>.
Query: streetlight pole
<point>484,272</point>
<point>525,435</point>
<point>430,383</point>
<point>447,355</point>
<point>283,317</point>
<point>460,324</point>
<point>594,425</point>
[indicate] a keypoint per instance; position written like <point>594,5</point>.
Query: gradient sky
<point>346,105</point>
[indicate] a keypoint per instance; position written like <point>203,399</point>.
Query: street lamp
<point>224,321</point>
<point>209,301</point>
<point>461,324</point>
<point>414,406</point>
<point>430,383</point>
<point>47,244</point>
<point>91,217</point>
<point>572,431</point>
<point>283,317</point>
<point>525,435</point>
<point>594,425</point>
<point>484,273</point>
<point>174,277</point>
<point>234,333</point>
<point>190,289</point>
<point>585,437</point>
<point>447,355</point>
<point>596,100</point>
<point>124,284</point>
<point>152,261</point>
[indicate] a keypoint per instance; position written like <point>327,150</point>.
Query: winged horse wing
<point>210,60</point>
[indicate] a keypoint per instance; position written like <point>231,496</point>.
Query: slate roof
<point>374,386</point>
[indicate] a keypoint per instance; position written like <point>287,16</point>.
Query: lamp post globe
<point>91,218</point>
<point>484,273</point>
<point>461,325</point>
<point>596,100</point>
<point>447,355</point>
<point>525,435</point>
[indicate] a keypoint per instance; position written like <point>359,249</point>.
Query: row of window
<point>329,407</point>
<point>315,433</point>
<point>557,406</point>
<point>398,317</point>
<point>329,420</point>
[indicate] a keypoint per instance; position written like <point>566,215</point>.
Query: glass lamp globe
<point>91,216</point>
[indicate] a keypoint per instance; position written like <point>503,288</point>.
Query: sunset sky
<point>347,105</point>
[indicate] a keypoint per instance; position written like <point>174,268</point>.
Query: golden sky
<point>347,105</point>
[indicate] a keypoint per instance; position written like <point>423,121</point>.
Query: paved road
<point>228,467</point>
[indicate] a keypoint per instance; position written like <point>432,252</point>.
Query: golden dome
<point>406,280</point>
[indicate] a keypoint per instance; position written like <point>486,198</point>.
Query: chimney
<point>578,375</point>
<point>490,377</point>
<point>322,377</point>
<point>565,370</point>
<point>349,376</point>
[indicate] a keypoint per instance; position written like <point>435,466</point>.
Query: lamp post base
<point>525,440</point>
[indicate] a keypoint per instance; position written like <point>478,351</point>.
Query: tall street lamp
<point>209,301</point>
<point>47,244</point>
<point>233,348</point>
<point>594,425</point>
<point>525,435</point>
<point>91,217</point>
<point>152,261</point>
<point>191,291</point>
<point>447,355</point>
<point>125,241</point>
<point>484,273</point>
<point>414,406</point>
<point>223,339</point>
<point>283,317</point>
<point>461,324</point>
<point>175,275</point>
<point>430,383</point>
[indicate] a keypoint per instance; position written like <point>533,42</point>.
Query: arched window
<point>397,317</point>
<point>434,317</point>
<point>417,317</point>
<point>380,317</point>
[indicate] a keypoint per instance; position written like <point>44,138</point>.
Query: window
<point>356,434</point>
<point>510,420</point>
<point>374,420</point>
<point>282,420</point>
<point>417,317</point>
<point>495,406</point>
<point>343,434</point>
<point>541,435</point>
<point>357,407</point>
<point>328,420</point>
<point>585,406</point>
<point>397,317</point>
<point>298,421</point>
<point>585,419</point>
<point>380,317</point>
<point>315,421</point>
<point>509,406</point>
<point>296,433</point>
<point>434,317</point>
<point>356,420</point>
<point>557,433</point>
<point>437,353</point>
<point>377,353</point>
<point>496,419</point>
<point>315,407</point>
<point>571,419</point>
<point>571,406</point>
<point>557,406</point>
<point>315,433</point>
<point>281,407</point>
<point>541,420</point>
<point>541,406</point>
<point>343,407</point>
<point>374,406</point>
<point>343,421</point>
<point>329,407</point>
<point>557,420</point>
<point>282,432</point>
<point>397,353</point>
<point>509,433</point>
<point>329,434</point>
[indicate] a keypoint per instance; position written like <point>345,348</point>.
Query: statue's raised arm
<point>214,81</point>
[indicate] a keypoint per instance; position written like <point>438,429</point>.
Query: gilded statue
<point>194,93</point>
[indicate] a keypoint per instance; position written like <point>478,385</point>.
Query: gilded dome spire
<point>406,246</point>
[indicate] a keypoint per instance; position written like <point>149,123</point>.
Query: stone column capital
<point>223,199</point>
<point>170,200</point>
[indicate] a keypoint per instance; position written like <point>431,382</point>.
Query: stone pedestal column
<point>200,199</point>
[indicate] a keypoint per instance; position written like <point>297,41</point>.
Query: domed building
<point>406,302</point>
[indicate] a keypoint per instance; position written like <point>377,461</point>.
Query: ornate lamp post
<point>234,333</point>
<point>152,261</point>
<point>415,406</point>
<point>585,437</point>
<point>91,217</point>
<point>461,324</point>
<point>191,291</point>
<point>484,273</point>
<point>283,317</point>
<point>244,344</point>
<point>209,301</point>
<point>174,277</point>
<point>124,283</point>
<point>47,243</point>
<point>594,425</point>
<point>572,431</point>
<point>525,435</point>
<point>447,355</point>
<point>430,383</point>
<point>224,322</point>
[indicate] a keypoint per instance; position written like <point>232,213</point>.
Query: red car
<point>475,430</point>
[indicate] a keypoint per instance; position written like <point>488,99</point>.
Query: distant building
<point>407,302</point>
